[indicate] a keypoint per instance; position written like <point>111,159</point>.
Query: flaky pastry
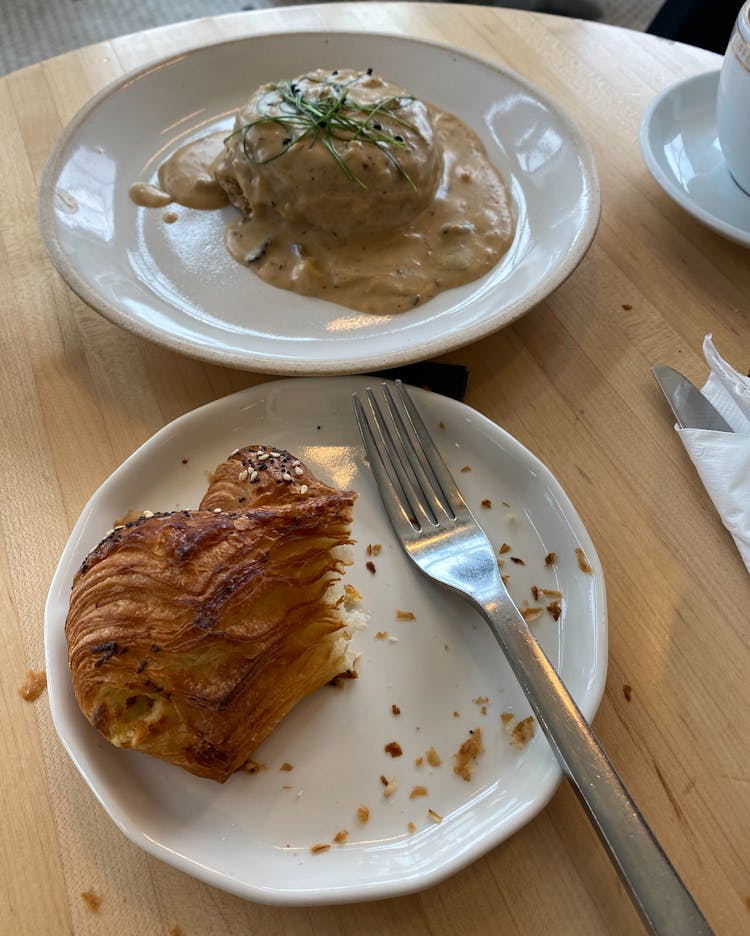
<point>192,634</point>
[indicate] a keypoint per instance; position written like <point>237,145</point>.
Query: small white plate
<point>176,284</point>
<point>681,148</point>
<point>252,835</point>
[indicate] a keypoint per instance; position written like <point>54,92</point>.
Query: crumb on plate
<point>433,758</point>
<point>523,732</point>
<point>582,561</point>
<point>467,754</point>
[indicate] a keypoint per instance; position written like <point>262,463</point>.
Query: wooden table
<point>570,380</point>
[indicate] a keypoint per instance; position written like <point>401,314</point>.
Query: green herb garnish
<point>330,117</point>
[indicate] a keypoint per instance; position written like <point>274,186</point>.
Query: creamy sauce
<point>457,238</point>
<point>376,230</point>
<point>148,196</point>
<point>188,177</point>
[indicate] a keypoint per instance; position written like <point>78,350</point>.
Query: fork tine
<point>433,461</point>
<point>413,457</point>
<point>403,510</point>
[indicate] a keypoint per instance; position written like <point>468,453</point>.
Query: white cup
<point>733,101</point>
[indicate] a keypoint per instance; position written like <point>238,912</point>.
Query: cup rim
<point>743,21</point>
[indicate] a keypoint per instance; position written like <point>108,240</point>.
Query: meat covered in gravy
<point>352,190</point>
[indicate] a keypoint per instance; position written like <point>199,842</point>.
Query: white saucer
<point>681,148</point>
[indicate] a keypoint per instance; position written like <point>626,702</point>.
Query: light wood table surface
<point>570,380</point>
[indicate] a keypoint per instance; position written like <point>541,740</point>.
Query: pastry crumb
<point>466,468</point>
<point>467,754</point>
<point>395,710</point>
<point>33,686</point>
<point>374,549</point>
<point>531,614</point>
<point>370,566</point>
<point>253,767</point>
<point>390,786</point>
<point>627,691</point>
<point>550,558</point>
<point>411,827</point>
<point>381,635</point>
<point>351,593</point>
<point>503,549</point>
<point>320,847</point>
<point>506,717</point>
<point>92,900</point>
<point>487,503</point>
<point>405,615</point>
<point>582,562</point>
<point>523,732</point>
<point>436,817</point>
<point>393,748</point>
<point>433,758</point>
<point>419,761</point>
<point>341,837</point>
<point>418,791</point>
<point>286,766</point>
<point>363,815</point>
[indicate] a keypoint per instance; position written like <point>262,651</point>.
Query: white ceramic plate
<point>681,148</point>
<point>176,285</point>
<point>252,836</point>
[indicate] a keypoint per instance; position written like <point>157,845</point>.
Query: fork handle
<point>655,887</point>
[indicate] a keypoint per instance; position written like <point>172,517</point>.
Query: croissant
<point>192,634</point>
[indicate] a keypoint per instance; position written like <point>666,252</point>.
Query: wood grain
<point>570,380</point>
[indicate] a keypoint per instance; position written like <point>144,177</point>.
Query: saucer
<point>680,147</point>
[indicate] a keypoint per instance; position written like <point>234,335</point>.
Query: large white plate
<point>252,836</point>
<point>680,146</point>
<point>175,284</point>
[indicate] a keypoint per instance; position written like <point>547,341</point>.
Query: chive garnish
<point>330,117</point>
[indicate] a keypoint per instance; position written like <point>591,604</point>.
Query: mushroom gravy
<point>403,210</point>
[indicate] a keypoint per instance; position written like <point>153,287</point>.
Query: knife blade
<point>691,409</point>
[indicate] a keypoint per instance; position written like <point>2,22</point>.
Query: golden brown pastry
<point>258,476</point>
<point>192,634</point>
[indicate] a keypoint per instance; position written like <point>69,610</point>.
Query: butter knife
<point>691,409</point>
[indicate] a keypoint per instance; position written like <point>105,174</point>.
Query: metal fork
<point>441,536</point>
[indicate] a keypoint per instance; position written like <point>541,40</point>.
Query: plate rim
<point>298,366</point>
<point>360,891</point>
<point>666,180</point>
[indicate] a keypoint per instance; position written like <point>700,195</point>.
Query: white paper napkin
<point>722,459</point>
